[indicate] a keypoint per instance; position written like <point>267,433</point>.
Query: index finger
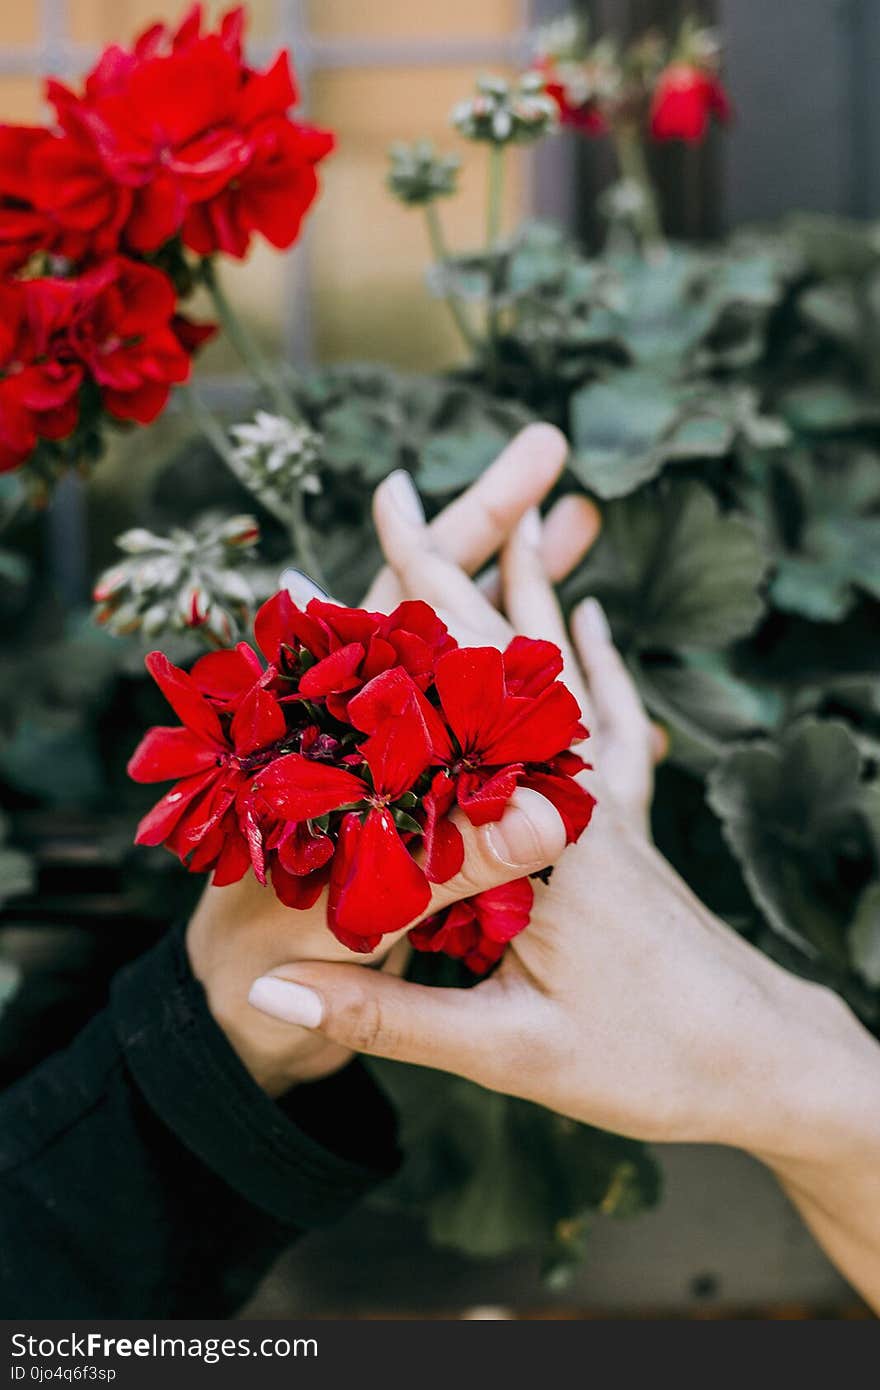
<point>470,530</point>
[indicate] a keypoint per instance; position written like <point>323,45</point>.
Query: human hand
<point>625,1004</point>
<point>242,932</point>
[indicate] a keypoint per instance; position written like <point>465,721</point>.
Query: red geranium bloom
<point>270,196</point>
<point>39,375</point>
<point>23,228</point>
<point>349,646</point>
<point>478,929</point>
<point>123,330</point>
<point>375,885</point>
<point>512,721</point>
<point>684,99</point>
<point>207,818</point>
<point>165,128</point>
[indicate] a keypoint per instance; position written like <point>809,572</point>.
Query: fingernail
<point>525,835</point>
<point>404,496</point>
<point>301,589</point>
<point>530,527</point>
<point>591,616</point>
<point>287,1001</point>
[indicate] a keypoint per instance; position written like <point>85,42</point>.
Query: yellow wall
<point>366,254</point>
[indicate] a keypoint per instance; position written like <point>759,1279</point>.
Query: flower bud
<point>503,112</point>
<point>417,175</point>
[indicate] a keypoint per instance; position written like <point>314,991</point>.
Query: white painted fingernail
<point>591,616</point>
<point>403,494</point>
<point>530,527</point>
<point>301,588</point>
<point>289,1002</point>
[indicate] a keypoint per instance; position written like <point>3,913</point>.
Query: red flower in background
<point>124,332</point>
<point>685,99</point>
<point>478,929</point>
<point>40,376</point>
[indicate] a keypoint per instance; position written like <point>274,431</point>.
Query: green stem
<point>440,253</point>
<point>246,345</point>
<point>291,515</point>
<point>630,151</point>
<point>494,207</point>
<point>496,191</point>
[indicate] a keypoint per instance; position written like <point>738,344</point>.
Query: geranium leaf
<point>794,813</point>
<point>864,936</point>
<point>828,542</point>
<point>673,573</point>
<point>494,1175</point>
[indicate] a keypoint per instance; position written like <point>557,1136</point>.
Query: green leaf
<point>673,573</point>
<point>864,936</point>
<point>705,709</point>
<point>493,1175</point>
<point>451,462</point>
<point>628,426</point>
<point>828,407</point>
<point>794,814</point>
<point>828,546</point>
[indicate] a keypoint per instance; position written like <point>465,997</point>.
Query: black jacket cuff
<point>304,1161</point>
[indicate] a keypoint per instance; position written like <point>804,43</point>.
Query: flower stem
<point>630,151</point>
<point>494,206</point>
<point>441,255</point>
<point>291,514</point>
<point>245,344</point>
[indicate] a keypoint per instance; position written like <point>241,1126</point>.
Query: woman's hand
<point>626,1004</point>
<point>242,932</point>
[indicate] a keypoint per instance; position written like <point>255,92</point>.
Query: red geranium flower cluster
<point>113,326</point>
<point>685,98</point>
<point>338,762</point>
<point>173,146</point>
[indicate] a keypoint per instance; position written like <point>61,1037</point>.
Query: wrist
<point>819,1109</point>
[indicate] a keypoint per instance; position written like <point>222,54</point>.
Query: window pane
<point>402,19</point>
<point>100,21</point>
<point>368,253</point>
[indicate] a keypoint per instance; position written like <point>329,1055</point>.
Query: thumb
<point>529,836</point>
<point>455,1030</point>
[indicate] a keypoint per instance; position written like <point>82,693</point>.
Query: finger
<point>302,588</point>
<point>568,531</point>
<point>625,732</point>
<point>421,571</point>
<point>530,602</point>
<point>453,1030</point>
<point>618,706</point>
<point>470,530</point>
<point>529,836</point>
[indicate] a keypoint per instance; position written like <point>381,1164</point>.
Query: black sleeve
<point>144,1174</point>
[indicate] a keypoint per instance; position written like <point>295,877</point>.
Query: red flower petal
<point>298,788</point>
<point>233,862</point>
<point>470,683</point>
<point>226,676</point>
<point>298,891</point>
<point>257,723</point>
<point>483,796</point>
<point>164,754</point>
<point>533,730</point>
<point>159,823</point>
<point>530,665</point>
<point>376,886</point>
<point>335,673</point>
<point>398,752</point>
<point>574,804</point>
<point>184,698</point>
